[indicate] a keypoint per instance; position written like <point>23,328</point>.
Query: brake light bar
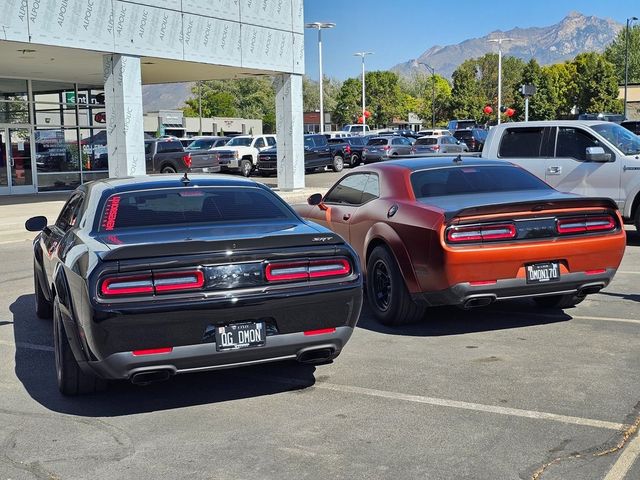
<point>152,283</point>
<point>481,233</point>
<point>307,269</point>
<point>152,351</point>
<point>322,331</point>
<point>567,226</point>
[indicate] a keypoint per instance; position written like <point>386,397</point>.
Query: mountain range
<point>574,34</point>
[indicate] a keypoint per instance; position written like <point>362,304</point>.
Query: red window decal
<point>111,213</point>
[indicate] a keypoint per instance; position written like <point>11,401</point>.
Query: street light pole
<point>319,26</point>
<point>433,93</point>
<point>626,62</point>
<point>364,118</point>
<point>499,42</point>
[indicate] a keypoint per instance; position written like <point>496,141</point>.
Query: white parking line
<point>573,317</point>
<point>442,402</point>
<point>605,319</point>
<point>31,346</point>
<point>625,462</point>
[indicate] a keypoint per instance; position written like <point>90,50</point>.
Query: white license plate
<point>543,272</point>
<point>240,335</point>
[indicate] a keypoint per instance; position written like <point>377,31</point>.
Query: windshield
<point>239,142</point>
<point>200,145</point>
<point>626,141</point>
<point>474,179</point>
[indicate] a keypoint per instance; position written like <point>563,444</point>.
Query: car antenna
<point>185,180</point>
<point>458,159</point>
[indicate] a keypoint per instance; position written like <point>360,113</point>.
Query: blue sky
<point>397,31</point>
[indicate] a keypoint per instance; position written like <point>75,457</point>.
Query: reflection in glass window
<point>14,112</point>
<point>57,150</point>
<point>13,90</point>
<point>93,150</point>
<point>349,190</point>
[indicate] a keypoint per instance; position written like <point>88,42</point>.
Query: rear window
<point>170,146</point>
<point>378,141</point>
<point>521,142</point>
<point>463,134</point>
<point>190,206</point>
<point>426,141</point>
<point>473,179</point>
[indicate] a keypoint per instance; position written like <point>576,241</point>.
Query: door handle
<point>11,162</point>
<point>346,216</point>
<point>554,170</point>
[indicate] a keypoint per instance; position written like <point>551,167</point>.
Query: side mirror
<point>597,154</point>
<point>36,224</point>
<point>315,199</point>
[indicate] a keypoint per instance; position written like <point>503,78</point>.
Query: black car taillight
<point>566,226</point>
<point>481,233</point>
<point>307,270</point>
<point>151,283</point>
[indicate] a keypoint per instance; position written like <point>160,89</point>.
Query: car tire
<point>387,293</point>
<point>354,161</point>
<point>559,301</point>
<point>70,378</point>
<point>246,167</point>
<point>168,169</point>
<point>338,163</point>
<point>44,309</point>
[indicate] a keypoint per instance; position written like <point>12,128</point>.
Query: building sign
<point>70,98</point>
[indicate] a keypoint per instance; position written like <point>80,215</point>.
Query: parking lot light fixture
<point>433,92</point>
<point>364,117</point>
<point>626,62</point>
<point>499,42</point>
<point>319,26</point>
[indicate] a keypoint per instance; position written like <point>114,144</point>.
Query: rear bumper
<point>267,165</point>
<point>508,289</point>
<point>203,357</point>
<point>211,169</point>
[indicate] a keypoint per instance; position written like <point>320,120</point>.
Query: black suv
<point>473,137</point>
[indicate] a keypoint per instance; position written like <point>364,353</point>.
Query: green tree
<point>615,54</point>
<point>467,99</point>
<point>384,99</point>
<point>311,94</point>
<point>215,102</point>
<point>597,84</point>
<point>348,102</point>
<point>420,89</point>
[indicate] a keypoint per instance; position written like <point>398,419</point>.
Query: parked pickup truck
<point>241,153</point>
<point>594,158</point>
<point>318,153</point>
<point>166,155</point>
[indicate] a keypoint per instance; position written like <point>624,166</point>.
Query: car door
<point>528,147</point>
<point>341,203</point>
<point>569,171</point>
<point>53,235</point>
<point>405,146</point>
<point>323,151</point>
<point>310,152</point>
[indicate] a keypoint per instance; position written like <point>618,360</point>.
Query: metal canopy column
<point>123,99</point>
<point>289,126</point>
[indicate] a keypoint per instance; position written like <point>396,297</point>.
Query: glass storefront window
<point>49,182</point>
<point>13,90</point>
<point>57,150</point>
<point>53,92</point>
<point>14,112</point>
<point>93,147</point>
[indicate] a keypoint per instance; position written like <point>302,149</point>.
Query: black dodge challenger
<point>151,276</point>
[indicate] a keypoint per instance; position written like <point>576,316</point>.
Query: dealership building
<point>72,72</point>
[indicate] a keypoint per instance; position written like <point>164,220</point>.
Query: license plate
<point>543,272</point>
<point>240,335</point>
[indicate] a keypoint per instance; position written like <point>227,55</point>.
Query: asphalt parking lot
<point>505,392</point>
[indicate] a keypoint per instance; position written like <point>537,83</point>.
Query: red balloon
<point>510,112</point>
<point>360,119</point>
<point>367,113</point>
<point>488,110</point>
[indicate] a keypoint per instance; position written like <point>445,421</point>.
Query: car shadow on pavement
<point>443,321</point>
<point>633,238</point>
<point>35,369</point>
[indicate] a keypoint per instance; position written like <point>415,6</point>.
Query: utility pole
<point>433,93</point>
<point>626,62</point>
<point>499,42</point>
<point>364,117</point>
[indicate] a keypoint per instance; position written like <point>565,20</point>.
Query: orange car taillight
<point>305,270</point>
<point>152,283</point>
<point>481,233</point>
<point>567,226</point>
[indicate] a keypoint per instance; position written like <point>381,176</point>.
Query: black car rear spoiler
<point>533,206</point>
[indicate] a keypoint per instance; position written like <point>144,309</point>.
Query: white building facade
<point>72,71</point>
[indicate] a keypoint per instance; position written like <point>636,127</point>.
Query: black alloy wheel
<point>387,293</point>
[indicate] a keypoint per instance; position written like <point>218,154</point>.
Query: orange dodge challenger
<point>468,232</point>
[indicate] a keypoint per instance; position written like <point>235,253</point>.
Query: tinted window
<point>320,140</point>
<point>426,141</point>
<point>271,141</point>
<point>200,145</point>
<point>190,206</point>
<point>573,143</point>
<point>521,142</point>
<point>371,189</point>
<point>462,134</point>
<point>240,142</point>
<point>396,141</point>
<point>168,147</point>
<point>308,142</point>
<point>349,190</point>
<point>260,143</point>
<point>356,141</point>
<point>378,141</point>
<point>148,148</point>
<point>69,215</point>
<point>475,179</point>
